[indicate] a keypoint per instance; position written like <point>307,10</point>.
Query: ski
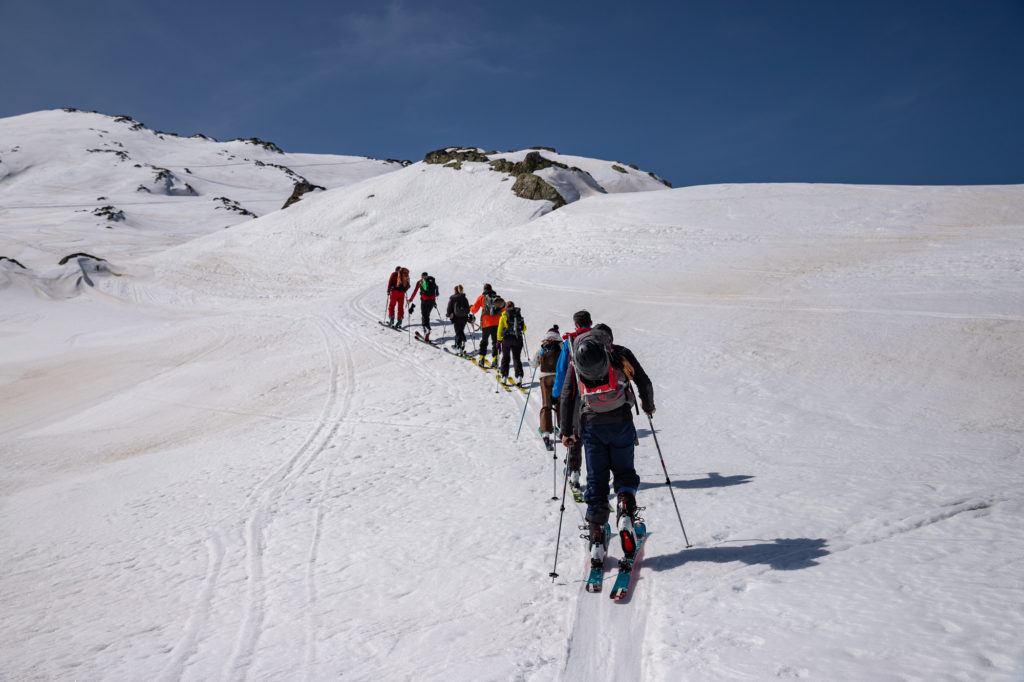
<point>595,581</point>
<point>397,327</point>
<point>508,389</point>
<point>464,356</point>
<point>620,590</point>
<point>419,337</point>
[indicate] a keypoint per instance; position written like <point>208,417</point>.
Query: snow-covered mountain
<point>217,465</point>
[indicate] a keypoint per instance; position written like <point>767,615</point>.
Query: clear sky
<point>886,92</point>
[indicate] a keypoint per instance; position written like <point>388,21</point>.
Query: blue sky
<point>894,92</point>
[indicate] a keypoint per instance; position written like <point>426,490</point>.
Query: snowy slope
<point>218,466</point>
<point>61,170</point>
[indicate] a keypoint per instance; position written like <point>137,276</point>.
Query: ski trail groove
<point>256,525</point>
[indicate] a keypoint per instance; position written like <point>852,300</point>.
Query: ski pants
<point>511,347</point>
<point>548,413</point>
<point>492,334</point>
<point>396,300</point>
<point>427,307</point>
<point>609,449</point>
<point>459,323</point>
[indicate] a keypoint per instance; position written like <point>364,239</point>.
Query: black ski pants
<point>511,348</point>
<point>492,334</point>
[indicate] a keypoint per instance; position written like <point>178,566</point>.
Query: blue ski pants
<point>609,451</point>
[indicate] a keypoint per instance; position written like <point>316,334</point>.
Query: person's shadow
<point>713,480</point>
<point>781,554</point>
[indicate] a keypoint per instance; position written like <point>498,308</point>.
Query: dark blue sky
<point>894,92</point>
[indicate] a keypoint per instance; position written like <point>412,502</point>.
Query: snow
<point>215,464</point>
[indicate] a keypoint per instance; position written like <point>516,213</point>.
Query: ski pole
<point>668,482</point>
<point>554,470</point>
<point>561,513</point>
<point>527,403</point>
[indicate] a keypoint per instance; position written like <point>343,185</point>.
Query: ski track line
<point>257,523</point>
<point>197,620</point>
<point>319,511</point>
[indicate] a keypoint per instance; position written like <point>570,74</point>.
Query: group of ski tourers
<point>501,322</point>
<point>586,383</point>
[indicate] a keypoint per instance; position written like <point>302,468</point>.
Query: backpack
<point>493,304</point>
<point>460,307</point>
<point>403,279</point>
<point>550,350</point>
<point>515,322</point>
<point>428,286</point>
<point>603,386</point>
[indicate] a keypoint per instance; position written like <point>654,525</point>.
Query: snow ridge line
<point>256,525</point>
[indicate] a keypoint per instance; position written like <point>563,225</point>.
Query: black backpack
<point>428,286</point>
<point>515,322</point>
<point>460,306</point>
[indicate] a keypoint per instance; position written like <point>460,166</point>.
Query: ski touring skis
<point>508,388</point>
<point>621,588</point>
<point>397,327</point>
<point>595,580</point>
<point>419,337</point>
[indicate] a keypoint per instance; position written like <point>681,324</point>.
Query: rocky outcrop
<point>455,154</point>
<point>269,146</point>
<point>110,213</point>
<point>532,163</point>
<point>301,187</point>
<point>530,186</point>
<point>232,205</point>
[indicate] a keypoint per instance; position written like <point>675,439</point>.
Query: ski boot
<point>482,362</point>
<point>574,480</point>
<point>598,534</point>
<point>548,444</point>
<point>626,519</point>
<point>391,321</point>
<point>426,337</point>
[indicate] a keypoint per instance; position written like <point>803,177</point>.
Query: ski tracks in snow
<point>606,641</point>
<point>261,502</point>
<point>251,544</point>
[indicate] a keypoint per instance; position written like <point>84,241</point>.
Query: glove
<point>412,307</point>
<point>472,319</point>
<point>497,347</point>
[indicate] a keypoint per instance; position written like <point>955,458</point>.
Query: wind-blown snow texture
<point>216,465</point>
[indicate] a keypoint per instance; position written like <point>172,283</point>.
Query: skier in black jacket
<point>596,406</point>
<point>458,313</point>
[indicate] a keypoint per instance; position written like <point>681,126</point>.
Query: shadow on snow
<point>781,554</point>
<point>713,480</point>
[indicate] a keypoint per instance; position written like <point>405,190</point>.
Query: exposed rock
<point>661,180</point>
<point>530,186</point>
<point>232,205</point>
<point>547,149</point>
<point>65,259</point>
<point>119,153</point>
<point>270,146</point>
<point>132,123</point>
<point>403,162</point>
<point>531,163</point>
<point>619,169</point>
<point>301,187</point>
<point>11,260</point>
<point>110,213</point>
<point>449,154</point>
